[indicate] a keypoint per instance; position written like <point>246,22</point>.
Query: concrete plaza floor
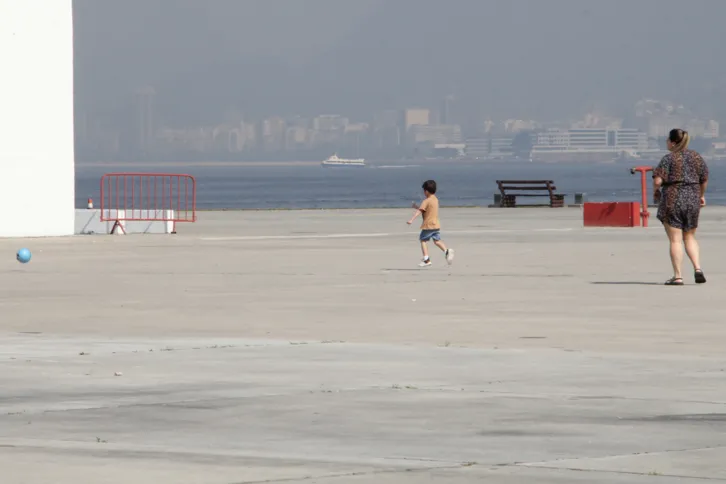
<point>307,346</point>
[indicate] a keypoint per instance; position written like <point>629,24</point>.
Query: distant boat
<point>336,161</point>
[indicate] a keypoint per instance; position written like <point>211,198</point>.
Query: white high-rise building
<point>588,144</point>
<point>143,123</point>
<point>446,114</point>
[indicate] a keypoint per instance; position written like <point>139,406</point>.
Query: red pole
<point>644,213</point>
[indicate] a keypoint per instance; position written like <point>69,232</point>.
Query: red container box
<point>611,214</point>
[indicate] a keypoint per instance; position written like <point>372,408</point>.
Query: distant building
<point>719,150</point>
<point>478,147</point>
<point>489,147</point>
<point>659,126</point>
<point>330,122</point>
<point>357,128</point>
<point>448,150</point>
<point>144,131</point>
<point>296,138</point>
<point>386,138</point>
<point>250,132</point>
<point>588,144</point>
<point>389,118</point>
<point>298,122</point>
<point>501,147</point>
<point>272,134</point>
<point>658,118</point>
<point>446,112</point>
<point>436,134</point>
<point>415,117</point>
<point>699,128</point>
<point>651,107</point>
<point>227,139</point>
<point>327,138</point>
<point>515,126</point>
<point>713,130</point>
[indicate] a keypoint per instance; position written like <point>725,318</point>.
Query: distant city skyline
<point>412,132</point>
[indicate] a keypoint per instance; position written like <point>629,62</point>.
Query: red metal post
<point>644,213</point>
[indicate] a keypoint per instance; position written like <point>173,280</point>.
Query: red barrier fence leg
<point>117,226</point>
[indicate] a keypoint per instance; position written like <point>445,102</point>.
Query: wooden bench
<point>511,189</point>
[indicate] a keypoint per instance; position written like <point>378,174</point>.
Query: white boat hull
<point>346,165</point>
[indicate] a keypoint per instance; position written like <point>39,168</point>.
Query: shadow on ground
<point>626,283</point>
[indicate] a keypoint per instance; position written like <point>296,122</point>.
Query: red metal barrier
<point>611,214</point>
<point>148,197</point>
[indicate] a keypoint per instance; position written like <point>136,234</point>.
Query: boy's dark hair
<point>429,186</point>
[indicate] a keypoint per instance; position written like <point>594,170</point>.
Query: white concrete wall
<point>88,222</point>
<point>36,118</point>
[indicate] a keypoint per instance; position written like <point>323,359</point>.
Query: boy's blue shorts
<point>427,235</point>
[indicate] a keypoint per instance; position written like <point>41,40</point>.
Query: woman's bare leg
<point>692,249</point>
<point>675,237</point>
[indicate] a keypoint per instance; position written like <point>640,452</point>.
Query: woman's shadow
<point>625,283</point>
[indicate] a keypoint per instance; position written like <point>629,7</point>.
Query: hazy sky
<point>540,58</point>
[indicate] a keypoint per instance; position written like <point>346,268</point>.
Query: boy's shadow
<point>415,269</point>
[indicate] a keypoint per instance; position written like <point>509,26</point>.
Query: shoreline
<point>367,209</point>
<point>369,164</point>
<point>199,164</point>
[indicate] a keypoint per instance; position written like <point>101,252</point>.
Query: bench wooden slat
<point>533,194</point>
<point>529,188</point>
<point>526,182</point>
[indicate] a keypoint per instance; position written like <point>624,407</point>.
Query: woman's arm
<point>703,175</point>
<point>660,173</point>
<point>657,185</point>
<point>702,178</point>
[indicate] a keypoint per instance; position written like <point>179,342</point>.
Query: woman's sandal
<point>674,281</point>
<point>700,278</point>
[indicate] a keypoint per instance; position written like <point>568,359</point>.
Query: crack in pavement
<point>552,464</point>
<point>613,456</point>
<point>153,452</point>
<point>354,474</point>
<point>630,473</point>
<point>373,388</point>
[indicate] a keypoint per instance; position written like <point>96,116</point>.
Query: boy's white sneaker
<point>450,256</point>
<point>425,263</point>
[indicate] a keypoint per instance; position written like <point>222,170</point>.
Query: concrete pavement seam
<point>630,473</point>
<point>657,452</point>
<point>357,474</point>
<point>542,465</point>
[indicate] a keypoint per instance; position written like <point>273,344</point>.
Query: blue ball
<point>23,256</point>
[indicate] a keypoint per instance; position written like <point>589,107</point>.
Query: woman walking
<point>679,187</point>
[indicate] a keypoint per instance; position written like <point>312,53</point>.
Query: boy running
<point>430,228</point>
